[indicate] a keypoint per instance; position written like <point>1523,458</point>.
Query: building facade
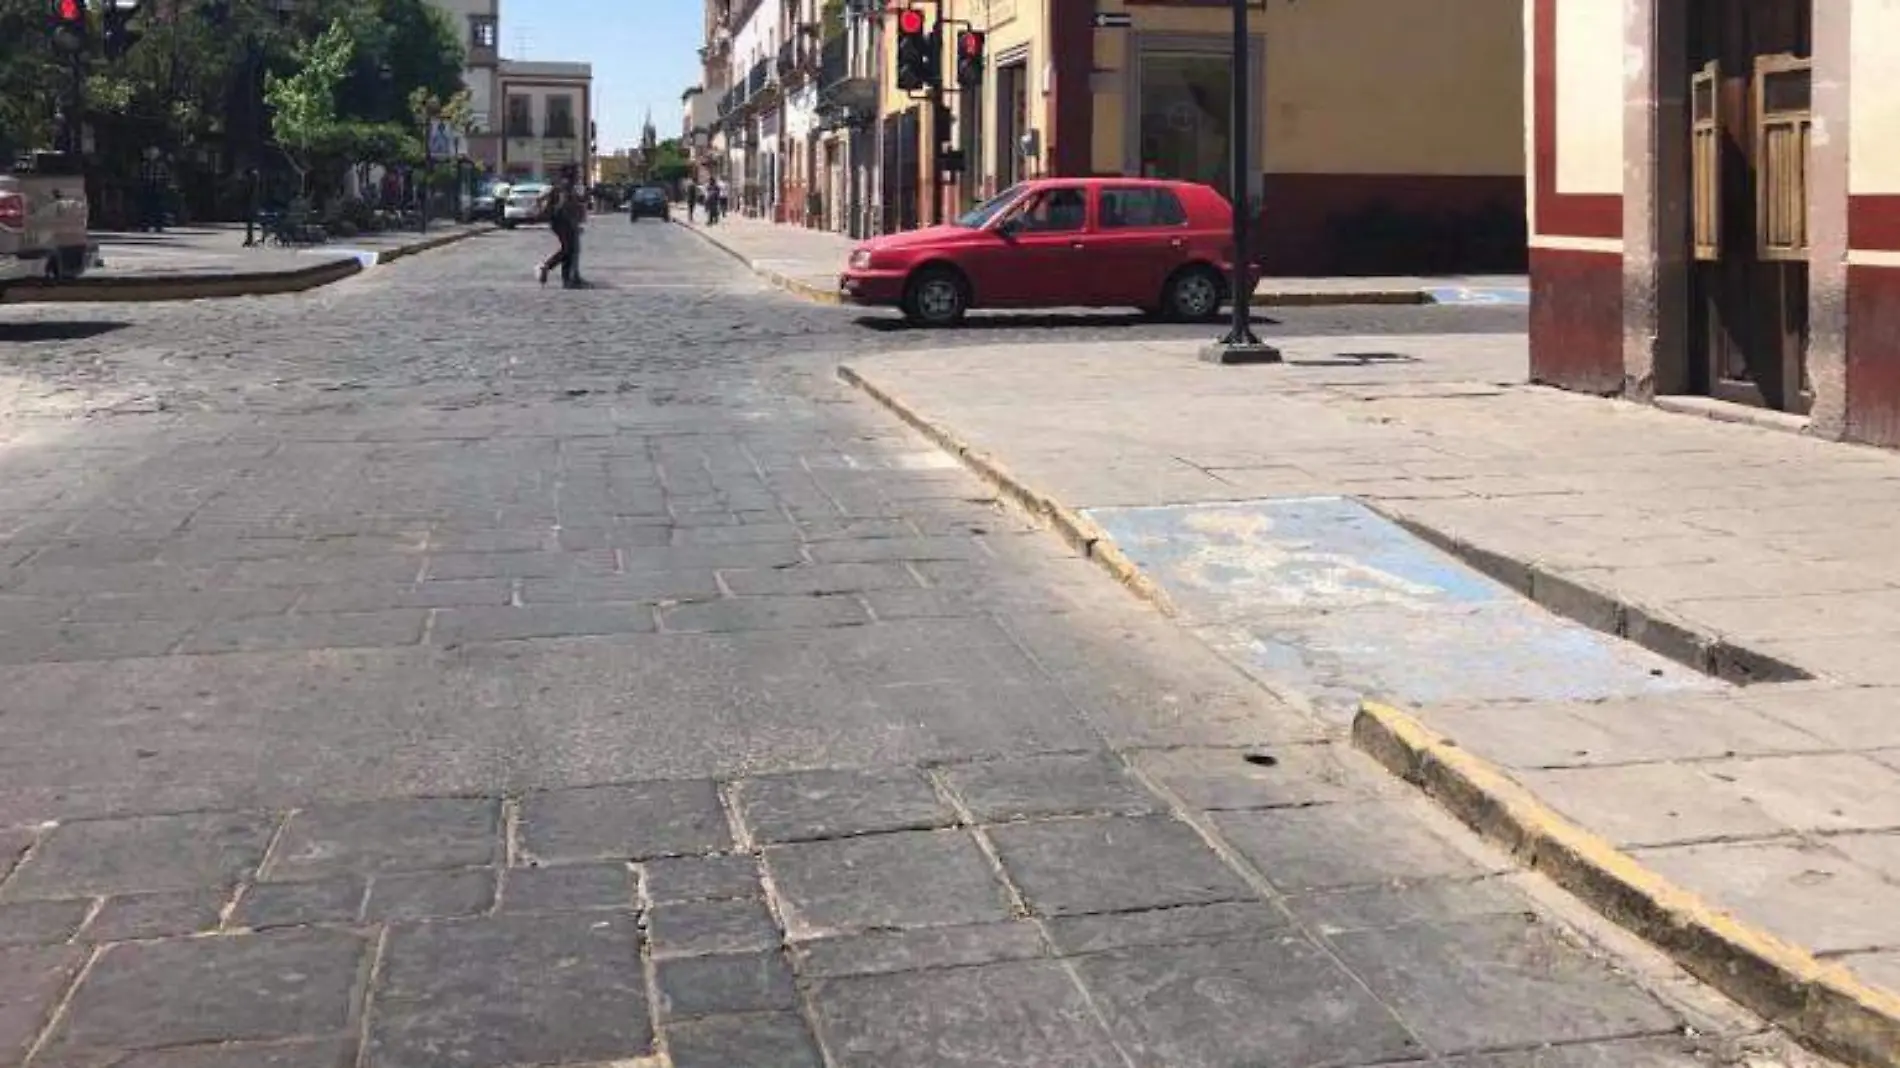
<point>478,22</point>
<point>1716,204</point>
<point>849,163</point>
<point>547,117</point>
<point>1387,138</point>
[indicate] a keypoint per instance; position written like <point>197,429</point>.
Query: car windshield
<point>649,193</point>
<point>978,217</point>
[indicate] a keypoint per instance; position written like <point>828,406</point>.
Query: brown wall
<point>1369,224</point>
<point>1576,327</point>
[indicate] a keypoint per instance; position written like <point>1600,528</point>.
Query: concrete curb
<point>1666,636</point>
<point>815,294</point>
<point>150,288</point>
<point>1292,298</point>
<point>1079,531</point>
<point>1821,1004</point>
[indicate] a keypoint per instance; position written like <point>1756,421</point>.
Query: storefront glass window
<point>1186,117</point>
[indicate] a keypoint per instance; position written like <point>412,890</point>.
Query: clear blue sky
<point>644,54</point>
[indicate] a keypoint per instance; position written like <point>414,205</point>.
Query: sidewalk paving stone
<point>378,836</point>
<point>888,881</point>
<point>142,853</point>
<point>453,991</point>
<point>634,822</point>
<point>1113,864</point>
<point>276,985</point>
<point>886,952</point>
<point>1021,1012</point>
<point>758,1040</point>
<point>835,804</point>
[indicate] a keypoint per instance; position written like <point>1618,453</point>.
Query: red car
<point>1164,247</point>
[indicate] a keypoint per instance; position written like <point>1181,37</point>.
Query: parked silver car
<point>527,203</point>
<point>43,216</point>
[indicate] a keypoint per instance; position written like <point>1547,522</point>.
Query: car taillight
<point>12,211</point>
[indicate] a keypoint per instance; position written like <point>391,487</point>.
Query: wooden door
<point>1749,130</point>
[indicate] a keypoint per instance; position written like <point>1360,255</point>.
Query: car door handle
<point>1176,243</point>
<point>1077,245</point>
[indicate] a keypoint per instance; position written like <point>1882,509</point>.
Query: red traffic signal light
<point>69,25</point>
<point>917,52</point>
<point>970,43</point>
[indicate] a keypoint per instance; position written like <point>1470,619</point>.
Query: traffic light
<point>69,25</point>
<point>970,45</point>
<point>119,35</point>
<point>917,52</point>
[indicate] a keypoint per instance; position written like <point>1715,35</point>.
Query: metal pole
<point>1241,331</point>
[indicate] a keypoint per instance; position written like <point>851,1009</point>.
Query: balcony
<point>758,80</point>
<point>840,88</point>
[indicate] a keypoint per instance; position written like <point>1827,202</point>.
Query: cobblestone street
<point>437,669</point>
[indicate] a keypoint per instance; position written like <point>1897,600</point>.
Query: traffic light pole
<point>1240,345</point>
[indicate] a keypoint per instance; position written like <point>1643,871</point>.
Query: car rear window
<point>1136,207</point>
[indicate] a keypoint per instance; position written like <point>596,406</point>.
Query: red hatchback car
<point>1164,247</point>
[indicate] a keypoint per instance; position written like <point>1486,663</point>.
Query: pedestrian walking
<point>692,201</point>
<point>154,179</point>
<point>566,212</point>
<point>715,201</point>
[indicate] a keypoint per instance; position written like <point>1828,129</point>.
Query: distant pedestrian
<point>692,200</point>
<point>566,211</point>
<point>715,201</point>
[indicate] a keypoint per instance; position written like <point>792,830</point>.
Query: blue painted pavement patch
<point>1506,295</point>
<point>1328,598</point>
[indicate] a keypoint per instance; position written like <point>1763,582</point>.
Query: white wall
<point>1590,97</point>
<point>1874,148</point>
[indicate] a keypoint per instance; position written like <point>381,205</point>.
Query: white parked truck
<point>43,217</point>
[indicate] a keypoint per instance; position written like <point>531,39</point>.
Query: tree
<point>303,105</point>
<point>28,69</point>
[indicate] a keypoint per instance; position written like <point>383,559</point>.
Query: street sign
<point>441,139</point>
<point>1113,20</point>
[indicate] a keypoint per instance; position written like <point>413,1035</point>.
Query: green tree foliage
<point>303,105</point>
<point>325,84</point>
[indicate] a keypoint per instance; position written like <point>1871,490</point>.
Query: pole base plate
<point>1244,353</point>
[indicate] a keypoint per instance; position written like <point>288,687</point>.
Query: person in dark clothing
<point>565,213</point>
<point>692,200</point>
<point>154,177</point>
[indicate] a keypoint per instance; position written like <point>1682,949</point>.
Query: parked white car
<point>43,216</point>
<point>527,203</point>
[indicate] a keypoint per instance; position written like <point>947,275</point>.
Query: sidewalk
<point>807,262</point>
<point>193,262</point>
<point>1751,830</point>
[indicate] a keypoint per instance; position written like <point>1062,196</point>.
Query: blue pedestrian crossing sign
<point>441,139</point>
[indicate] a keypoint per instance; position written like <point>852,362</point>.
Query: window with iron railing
<point>561,118</point>
<point>520,121</point>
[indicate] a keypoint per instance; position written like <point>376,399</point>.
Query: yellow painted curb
<point>1822,1004</point>
<point>1078,530</point>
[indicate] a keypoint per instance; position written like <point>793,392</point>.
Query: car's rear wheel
<point>936,296</point>
<point>1192,295</point>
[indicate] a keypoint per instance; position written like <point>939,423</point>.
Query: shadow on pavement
<point>1052,321</point>
<point>58,330</point>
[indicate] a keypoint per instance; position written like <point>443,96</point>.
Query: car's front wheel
<point>1193,295</point>
<point>936,296</point>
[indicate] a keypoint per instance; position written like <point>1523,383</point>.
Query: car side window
<point>1056,211</point>
<point>1132,208</point>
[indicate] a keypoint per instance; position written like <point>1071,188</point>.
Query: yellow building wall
<point>1425,87</point>
<point>1873,148</point>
